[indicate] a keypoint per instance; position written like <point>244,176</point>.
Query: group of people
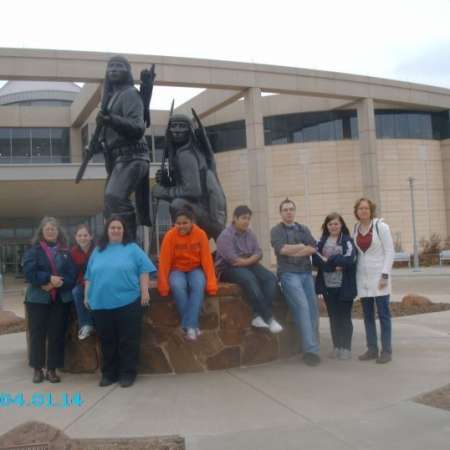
<point>349,265</point>
<point>109,284</point>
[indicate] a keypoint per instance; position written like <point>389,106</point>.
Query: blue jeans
<point>83,314</point>
<point>188,291</point>
<point>259,285</point>
<point>300,295</point>
<point>384,314</point>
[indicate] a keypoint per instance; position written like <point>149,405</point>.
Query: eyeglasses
<point>288,209</point>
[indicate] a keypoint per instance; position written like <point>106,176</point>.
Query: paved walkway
<point>284,406</point>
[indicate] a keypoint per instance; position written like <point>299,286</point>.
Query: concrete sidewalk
<point>339,405</point>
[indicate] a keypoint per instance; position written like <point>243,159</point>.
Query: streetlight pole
<point>413,212</point>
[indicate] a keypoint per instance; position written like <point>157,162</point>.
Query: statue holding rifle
<point>119,134</point>
<point>188,176</point>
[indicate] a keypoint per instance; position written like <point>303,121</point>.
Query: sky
<point>397,39</point>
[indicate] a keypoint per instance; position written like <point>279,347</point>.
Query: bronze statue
<point>191,178</point>
<point>127,160</point>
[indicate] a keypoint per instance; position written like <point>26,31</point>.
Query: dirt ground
<point>439,398</point>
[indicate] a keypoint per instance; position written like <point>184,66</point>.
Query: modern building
<point>320,138</point>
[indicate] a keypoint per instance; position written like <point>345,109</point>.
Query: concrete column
<point>445,154</point>
<point>75,145</point>
<point>254,129</point>
<point>368,151</point>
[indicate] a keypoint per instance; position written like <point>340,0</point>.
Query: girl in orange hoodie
<point>186,268</point>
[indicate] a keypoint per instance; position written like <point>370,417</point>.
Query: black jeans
<point>47,325</point>
<point>259,285</point>
<point>119,330</point>
<point>340,313</point>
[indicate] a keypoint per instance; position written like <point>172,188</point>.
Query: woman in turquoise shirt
<point>117,283</point>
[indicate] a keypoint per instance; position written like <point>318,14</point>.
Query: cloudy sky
<point>399,39</point>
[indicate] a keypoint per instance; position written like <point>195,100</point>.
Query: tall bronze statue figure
<point>122,125</point>
<point>191,178</point>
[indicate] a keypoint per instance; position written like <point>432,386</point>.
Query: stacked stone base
<point>227,338</point>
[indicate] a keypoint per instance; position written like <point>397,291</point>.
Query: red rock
<point>415,300</point>
<point>228,290</point>
<point>227,358</point>
<point>234,314</point>
<point>181,355</point>
<point>81,356</point>
<point>163,314</point>
<point>288,341</point>
<point>259,347</point>
<point>209,316</point>
<point>231,337</point>
<point>207,344</point>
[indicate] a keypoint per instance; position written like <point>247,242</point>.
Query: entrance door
<point>11,258</point>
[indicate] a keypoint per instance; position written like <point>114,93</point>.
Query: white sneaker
<point>191,334</point>
<point>274,326</point>
<point>335,353</point>
<point>198,332</point>
<point>258,322</point>
<point>85,332</point>
<point>344,354</point>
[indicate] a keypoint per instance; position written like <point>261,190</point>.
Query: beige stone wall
<point>445,154</point>
<point>232,169</point>
<point>320,177</point>
<point>398,160</point>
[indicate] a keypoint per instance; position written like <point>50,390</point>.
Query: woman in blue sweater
<point>336,281</point>
<point>51,275</point>
<point>117,283</point>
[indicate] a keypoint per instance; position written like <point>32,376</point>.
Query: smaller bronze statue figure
<point>119,134</point>
<point>191,178</point>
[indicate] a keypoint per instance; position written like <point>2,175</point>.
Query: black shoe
<point>384,358</point>
<point>370,354</point>
<point>38,376</point>
<point>52,377</point>
<point>105,381</point>
<point>311,359</point>
<point>127,381</point>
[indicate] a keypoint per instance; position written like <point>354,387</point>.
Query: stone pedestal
<point>227,338</point>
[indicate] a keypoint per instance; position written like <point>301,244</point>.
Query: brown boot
<point>370,354</point>
<point>384,358</point>
<point>52,377</point>
<point>38,376</point>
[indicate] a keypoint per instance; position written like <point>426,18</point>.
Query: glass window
<point>6,233</point>
<point>404,124</point>
<point>227,136</point>
<point>60,145</point>
<point>5,145</point>
<point>40,145</point>
<point>384,124</point>
<point>420,125</point>
<point>24,233</point>
<point>310,127</point>
<point>21,146</point>
<point>84,137</point>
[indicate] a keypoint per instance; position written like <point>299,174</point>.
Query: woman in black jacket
<point>336,281</point>
<point>51,274</point>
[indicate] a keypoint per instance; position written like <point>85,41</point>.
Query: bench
<point>402,257</point>
<point>444,256</point>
